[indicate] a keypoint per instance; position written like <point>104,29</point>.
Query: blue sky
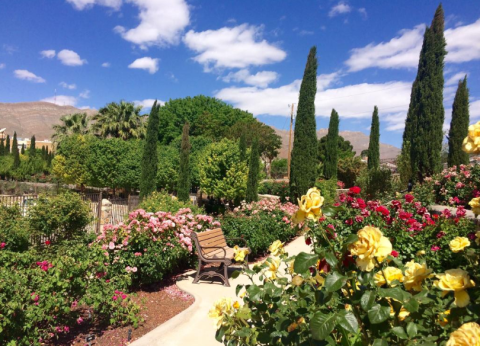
<point>250,53</point>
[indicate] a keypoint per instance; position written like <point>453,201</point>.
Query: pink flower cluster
<point>269,205</point>
<point>44,265</point>
<point>119,294</point>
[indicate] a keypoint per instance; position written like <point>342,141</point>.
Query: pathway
<point>439,208</point>
<point>193,326</point>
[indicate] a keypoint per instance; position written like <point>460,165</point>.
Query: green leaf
<point>352,238</point>
<point>235,274</point>
<point>334,281</point>
<point>220,333</point>
<point>322,325</point>
<point>379,342</point>
<point>254,292</point>
<point>332,211</point>
<point>303,261</point>
<point>377,314</point>
<point>348,321</point>
<point>411,305</point>
<point>396,293</point>
<point>400,332</point>
<point>367,300</point>
<point>331,258</point>
<point>412,329</point>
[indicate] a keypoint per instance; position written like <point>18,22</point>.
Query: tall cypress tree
<point>374,143</point>
<point>2,147</point>
<point>303,171</point>
<point>459,126</point>
<point>331,153</point>
<point>16,154</point>
<point>242,146</point>
<point>424,123</point>
<point>150,159</point>
<point>7,145</point>
<point>23,149</point>
<point>183,190</point>
<point>253,168</point>
<point>32,150</point>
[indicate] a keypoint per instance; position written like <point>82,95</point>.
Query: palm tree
<point>119,120</point>
<point>77,123</point>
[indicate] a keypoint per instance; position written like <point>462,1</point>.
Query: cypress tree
<point>425,117</point>
<point>183,190</point>
<point>253,168</point>
<point>23,149</point>
<point>32,151</point>
<point>7,145</point>
<point>16,154</point>
<point>242,146</point>
<point>374,143</point>
<point>459,126</point>
<point>303,171</point>
<point>331,153</point>
<point>43,152</point>
<point>150,159</point>
<point>2,147</point>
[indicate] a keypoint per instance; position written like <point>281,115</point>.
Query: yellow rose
<point>371,245</point>
<point>456,280</point>
<point>458,244</point>
<point>420,253</point>
<point>391,273</point>
<point>415,273</point>
<point>291,267</point>
<point>240,253</point>
<point>221,308</point>
<point>467,335</point>
<point>443,320</point>
<point>292,327</point>
<point>297,280</point>
<point>475,204</point>
<point>471,143</point>
<point>402,314</point>
<point>236,305</point>
<point>276,249</point>
<point>309,206</point>
<point>320,280</point>
<point>273,263</point>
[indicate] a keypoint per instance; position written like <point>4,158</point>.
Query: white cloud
<point>83,4</point>
<point>340,8</point>
<point>70,58</point>
<point>67,86</point>
<point>161,23</point>
<point>403,51</point>
<point>147,103</point>
<point>145,63</point>
<point>2,66</point>
<point>453,80</point>
<point>363,12</point>
<point>352,101</point>
<point>106,64</point>
<point>49,54</point>
<point>260,79</point>
<point>236,47</point>
<point>85,94</point>
<point>27,75</point>
<point>61,100</point>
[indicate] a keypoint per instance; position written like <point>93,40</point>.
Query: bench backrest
<point>214,237</point>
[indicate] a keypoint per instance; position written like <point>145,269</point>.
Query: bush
<point>375,183</point>
<point>162,201</point>
<point>14,229</point>
<point>65,215</point>
<point>328,190</point>
<point>276,188</point>
<point>348,170</point>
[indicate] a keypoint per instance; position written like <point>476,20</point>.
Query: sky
<point>249,53</point>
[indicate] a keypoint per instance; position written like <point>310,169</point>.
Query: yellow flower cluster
<point>222,307</point>
<point>471,143</point>
<point>467,335</point>
<point>276,248</point>
<point>387,276</point>
<point>240,253</point>
<point>415,273</point>
<point>309,206</point>
<point>475,204</point>
<point>458,244</point>
<point>273,264</point>
<point>456,280</point>
<point>371,246</point>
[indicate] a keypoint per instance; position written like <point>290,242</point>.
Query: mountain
<point>359,140</point>
<point>34,118</point>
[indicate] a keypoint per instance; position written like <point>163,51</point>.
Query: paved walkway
<point>193,326</point>
<point>439,208</point>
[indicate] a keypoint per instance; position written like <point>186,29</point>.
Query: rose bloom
<point>467,335</point>
<point>309,206</point>
<point>409,198</point>
<point>475,204</point>
<point>415,273</point>
<point>391,274</point>
<point>456,280</point>
<point>458,244</point>
<point>273,263</point>
<point>370,246</point>
<point>384,211</point>
<point>240,253</point>
<point>471,143</point>
<point>221,308</point>
<point>276,249</point>
<point>355,190</point>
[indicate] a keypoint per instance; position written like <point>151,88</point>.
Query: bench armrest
<point>244,241</point>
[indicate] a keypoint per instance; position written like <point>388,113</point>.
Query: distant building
<point>38,144</point>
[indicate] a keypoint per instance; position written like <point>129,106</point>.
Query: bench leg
<point>197,277</point>
<point>225,273</point>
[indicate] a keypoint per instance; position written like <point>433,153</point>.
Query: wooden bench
<point>212,248</point>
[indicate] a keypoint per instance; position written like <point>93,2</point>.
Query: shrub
<point>13,229</point>
<point>276,188</point>
<point>328,190</point>
<point>349,169</point>
<point>162,201</point>
<point>375,182</point>
<point>65,215</point>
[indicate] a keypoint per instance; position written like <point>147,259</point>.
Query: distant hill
<point>359,140</point>
<point>34,118</point>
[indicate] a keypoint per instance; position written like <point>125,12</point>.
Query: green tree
<point>70,162</point>
<point>279,168</point>
<point>242,145</point>
<point>459,126</point>
<point>303,171</point>
<point>374,143</point>
<point>16,154</point>
<point>23,149</point>
<point>404,165</point>
<point>2,147</point>
<point>7,145</point>
<point>425,117</point>
<point>349,169</point>
<point>344,148</point>
<point>119,120</point>
<point>149,159</point>
<point>253,170</point>
<point>183,191</point>
<point>32,151</point>
<point>331,154</point>
<point>71,124</point>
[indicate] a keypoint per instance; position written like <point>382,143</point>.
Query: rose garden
<point>341,253</point>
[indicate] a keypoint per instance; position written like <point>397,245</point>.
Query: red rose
<point>394,254</point>
<point>349,222</point>
<point>382,210</point>
<point>47,242</point>
<point>2,245</point>
<point>308,241</point>
<point>355,190</point>
<point>409,198</point>
<point>323,265</point>
<point>348,259</point>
